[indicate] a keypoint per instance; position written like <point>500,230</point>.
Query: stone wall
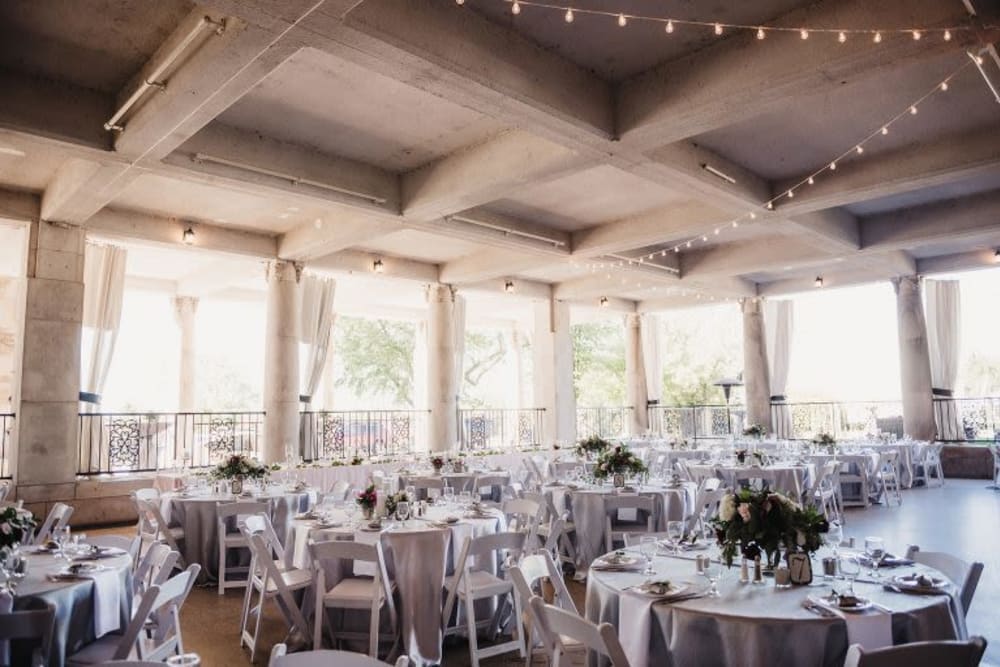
<point>96,501</point>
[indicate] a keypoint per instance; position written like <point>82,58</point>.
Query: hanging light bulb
<point>718,28</point>
<point>569,15</point>
<point>677,248</point>
<point>811,180</point>
<point>670,27</point>
<point>515,9</point>
<point>459,2</point>
<point>753,216</point>
<point>913,110</point>
<point>704,239</point>
<point>804,34</point>
<point>688,244</point>
<point>735,224</point>
<point>770,206</point>
<point>833,166</point>
<point>508,287</point>
<point>947,35</point>
<point>944,86</point>
<point>622,21</point>
<point>877,38</point>
<point>791,194</point>
<point>860,149</point>
<point>916,35</point>
<point>378,266</point>
<point>842,37</point>
<point>761,34</point>
<point>716,231</point>
<point>818,282</point>
<point>885,130</point>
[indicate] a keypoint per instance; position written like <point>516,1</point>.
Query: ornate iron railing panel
<point>979,417</point>
<point>695,422</point>
<point>604,422</point>
<point>345,434</point>
<point>490,428</point>
<point>143,442</point>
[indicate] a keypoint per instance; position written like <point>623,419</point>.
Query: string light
<point>913,110</point>
<point>515,9</point>
<point>622,21</point>
<point>378,266</point>
<point>860,149</point>
<point>885,130</point>
<point>916,35</point>
<point>761,34</point>
<point>947,35</point>
<point>718,28</point>
<point>841,36</point>
<point>878,38</point>
<point>944,86</point>
<point>811,180</point>
<point>804,34</point>
<point>569,15</point>
<point>833,166</point>
<point>670,27</point>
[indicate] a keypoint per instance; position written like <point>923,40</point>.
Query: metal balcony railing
<point>979,417</point>
<point>344,434</point>
<point>494,428</point>
<point>144,442</point>
<point>609,422</point>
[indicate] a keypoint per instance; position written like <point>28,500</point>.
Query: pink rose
<point>5,528</point>
<point>744,511</point>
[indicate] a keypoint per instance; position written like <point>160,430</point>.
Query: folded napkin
<point>887,561</point>
<point>871,628</point>
<point>635,620</point>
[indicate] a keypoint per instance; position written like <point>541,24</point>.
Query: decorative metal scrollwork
<point>124,441</point>
<point>221,437</point>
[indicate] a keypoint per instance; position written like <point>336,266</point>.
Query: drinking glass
<point>712,570</point>
<point>647,545</point>
<point>850,567</point>
<point>449,495</point>
<point>875,550</point>
<point>62,538</point>
<point>403,511</point>
<point>835,535</point>
<point>675,533</point>
<point>465,498</point>
<point>411,493</point>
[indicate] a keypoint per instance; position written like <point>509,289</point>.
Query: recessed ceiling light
<point>293,209</point>
<point>10,150</point>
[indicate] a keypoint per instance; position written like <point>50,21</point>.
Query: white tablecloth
<point>753,625</point>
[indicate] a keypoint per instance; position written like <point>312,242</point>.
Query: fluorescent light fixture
<point>10,150</point>
<point>721,174</point>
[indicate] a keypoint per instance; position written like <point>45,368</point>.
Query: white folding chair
<point>468,585</point>
<point>888,477</point>
<point>616,528</point>
<point>528,576</point>
<point>523,516</point>
<point>556,625</point>
<point>270,583</point>
<point>964,575</point>
<point>30,625</point>
<point>5,488</point>
<point>234,539</point>
<point>159,609</point>
<point>57,518</point>
<point>339,491</point>
<point>929,466</point>
<point>706,506</point>
<point>995,450</point>
<point>153,568</point>
<point>172,535</point>
<point>326,658</point>
<point>353,592</point>
<point>920,654</point>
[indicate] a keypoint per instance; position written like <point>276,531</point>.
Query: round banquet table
<point>419,555</point>
<point>792,480</point>
<point>85,608</point>
<point>586,507</point>
<point>459,481</point>
<point>197,515</point>
<point>755,625</point>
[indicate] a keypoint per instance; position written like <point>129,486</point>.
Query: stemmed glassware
<point>647,545</point>
<point>448,493</point>
<point>14,567</point>
<point>675,533</point>
<point>850,567</point>
<point>712,570</point>
<point>875,550</point>
<point>403,511</point>
<point>62,538</point>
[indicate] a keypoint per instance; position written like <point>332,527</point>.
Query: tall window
<point>599,362</point>
<point>698,347</point>
<point>230,351</point>
<point>979,355</point>
<point>373,363</point>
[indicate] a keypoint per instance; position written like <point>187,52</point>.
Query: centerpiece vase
<point>368,513</point>
<point>618,480</point>
<point>236,485</point>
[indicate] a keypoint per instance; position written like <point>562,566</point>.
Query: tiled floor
<point>963,518</point>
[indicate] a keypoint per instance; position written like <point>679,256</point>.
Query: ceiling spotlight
<point>818,282</point>
<point>378,266</point>
<point>604,302</point>
<point>188,236</point>
<point>509,287</point>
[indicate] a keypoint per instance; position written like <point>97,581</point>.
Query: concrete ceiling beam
<point>349,228</point>
<point>678,221</point>
<point>973,217</point>
<point>741,77</point>
<point>217,277</point>
<point>834,230</point>
<point>984,258</point>
<point>359,262</point>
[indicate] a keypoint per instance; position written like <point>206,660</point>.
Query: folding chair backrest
<point>964,575</point>
<point>710,484</point>
<point>152,509</point>
<point>339,490</point>
<point>58,517</point>
<point>262,565</point>
<point>348,550</point>
<point>154,568</point>
<point>30,625</point>
<point>140,615</point>
<point>168,601</point>
<point>241,510</point>
<point>260,524</point>
<point>636,502</point>
<point>920,654</point>
<point>557,623</point>
<point>147,494</point>
<point>5,487</point>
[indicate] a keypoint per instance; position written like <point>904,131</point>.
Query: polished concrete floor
<point>963,518</point>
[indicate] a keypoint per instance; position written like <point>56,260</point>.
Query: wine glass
<point>675,533</point>
<point>835,535</point>
<point>403,511</point>
<point>62,538</point>
<point>449,495</point>
<point>850,567</point>
<point>712,570</point>
<point>647,545</point>
<point>15,566</point>
<point>875,550</point>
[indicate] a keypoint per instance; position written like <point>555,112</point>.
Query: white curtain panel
<point>778,324</point>
<point>652,365</point>
<point>943,317</point>
<point>317,317</point>
<point>420,366</point>
<point>458,315</point>
<point>103,288</point>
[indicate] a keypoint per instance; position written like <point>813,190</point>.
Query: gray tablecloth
<point>761,626</point>
<point>73,602</point>
<point>790,480</point>
<point>586,507</point>
<point>197,516</point>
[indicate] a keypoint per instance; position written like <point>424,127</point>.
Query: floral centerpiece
<point>761,523</point>
<point>367,500</point>
<point>437,462</point>
<point>595,445</point>
<point>16,527</point>
<point>824,439</point>
<point>755,431</point>
<point>238,467</point>
<point>618,462</point>
<point>357,460</point>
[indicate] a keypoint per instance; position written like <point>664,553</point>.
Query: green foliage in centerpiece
<point>761,522</point>
<point>824,438</point>
<point>595,444</point>
<point>755,431</point>
<point>239,465</point>
<point>16,526</point>
<point>393,499</point>
<point>618,460</point>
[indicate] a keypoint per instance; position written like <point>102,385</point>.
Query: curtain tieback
<point>780,398</point>
<point>90,397</point>
<point>942,393</point>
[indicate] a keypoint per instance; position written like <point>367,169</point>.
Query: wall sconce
<point>188,236</point>
<point>818,282</point>
<point>996,256</point>
<point>378,266</point>
<point>508,287</point>
<point>604,302</point>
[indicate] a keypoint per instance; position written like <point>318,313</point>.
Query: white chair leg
<point>373,628</point>
<point>222,568</point>
<point>470,621</point>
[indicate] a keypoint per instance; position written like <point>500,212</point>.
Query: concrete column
<point>636,395</point>
<point>914,360</point>
<point>552,371</point>
<point>442,378</point>
<point>47,397</point>
<point>281,360</point>
<point>185,309</point>
<point>756,378</point>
